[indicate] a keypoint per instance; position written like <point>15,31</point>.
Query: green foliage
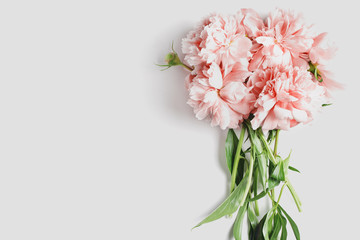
<point>294,169</point>
<point>268,224</point>
<point>172,59</point>
<point>292,223</point>
<point>230,148</point>
<point>252,215</point>
<point>281,170</point>
<point>237,228</point>
<point>258,166</point>
<point>314,70</point>
<point>326,104</point>
<point>283,227</point>
<point>234,201</point>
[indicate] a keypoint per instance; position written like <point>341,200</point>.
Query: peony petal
<point>299,115</point>
<point>266,41</point>
<point>215,79</point>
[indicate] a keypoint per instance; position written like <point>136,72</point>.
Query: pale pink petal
<point>215,76</point>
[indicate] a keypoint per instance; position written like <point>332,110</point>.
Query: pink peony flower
<point>189,80</point>
<point>282,42</point>
<point>319,52</point>
<point>289,97</point>
<point>223,98</point>
<point>191,44</point>
<point>242,65</point>
<point>220,39</point>
<point>250,20</point>
<point>319,55</point>
<point>258,80</point>
<point>327,80</point>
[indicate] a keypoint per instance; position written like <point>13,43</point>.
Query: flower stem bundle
<point>262,76</point>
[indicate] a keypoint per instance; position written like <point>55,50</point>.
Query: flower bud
<point>172,59</point>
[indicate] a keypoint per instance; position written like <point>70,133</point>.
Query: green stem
<point>272,158</point>
<point>237,159</point>
<point>271,198</point>
<point>187,67</point>
<point>256,206</point>
<point>281,191</point>
<point>294,194</point>
<point>276,142</point>
<point>248,184</point>
<point>275,155</point>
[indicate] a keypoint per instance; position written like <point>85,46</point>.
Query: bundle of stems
<point>255,173</point>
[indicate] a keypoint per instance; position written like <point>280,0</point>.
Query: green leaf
<point>283,228</point>
<point>277,227</point>
<point>281,170</point>
<point>234,201</point>
<point>255,188</point>
<point>259,196</point>
<point>256,234</point>
<point>230,148</point>
<point>271,135</point>
<point>273,183</point>
<point>326,104</point>
<point>292,223</point>
<point>263,168</point>
<point>294,195</point>
<point>237,229</point>
<point>252,216</point>
<point>294,169</point>
<point>266,146</point>
<point>260,154</point>
<point>240,170</point>
<point>255,141</point>
<point>267,228</point>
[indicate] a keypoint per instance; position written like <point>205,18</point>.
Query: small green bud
<point>172,59</point>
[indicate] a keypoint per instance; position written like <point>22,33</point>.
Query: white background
<point>97,143</point>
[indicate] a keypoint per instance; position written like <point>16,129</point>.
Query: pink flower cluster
<point>271,70</point>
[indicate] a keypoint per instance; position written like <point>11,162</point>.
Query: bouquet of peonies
<point>262,76</point>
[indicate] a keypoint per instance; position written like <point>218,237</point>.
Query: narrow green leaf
<point>234,201</point>
<point>283,227</point>
<point>259,196</point>
<point>277,227</point>
<point>294,195</point>
<point>240,170</point>
<point>266,146</point>
<point>237,229</point>
<point>252,216</point>
<point>294,169</point>
<point>267,228</point>
<point>260,154</point>
<point>255,141</point>
<point>255,189</point>
<point>326,104</point>
<point>292,223</point>
<point>263,168</point>
<point>257,233</point>
<point>230,148</point>
<point>272,184</point>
